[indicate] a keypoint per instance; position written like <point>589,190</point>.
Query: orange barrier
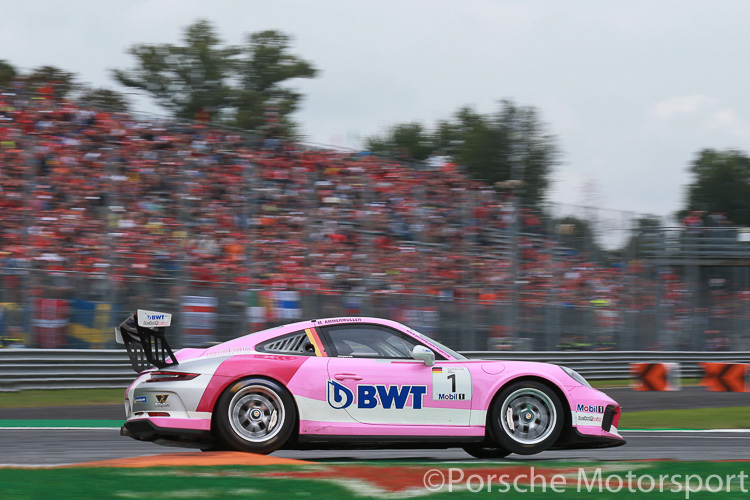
<point>655,376</point>
<point>727,377</point>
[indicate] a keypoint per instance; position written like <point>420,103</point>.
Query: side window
<point>368,341</point>
<point>292,343</point>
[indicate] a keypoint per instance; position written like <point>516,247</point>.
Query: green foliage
<point>103,98</point>
<point>511,144</point>
<point>577,234</point>
<point>721,183</point>
<point>7,73</point>
<point>63,82</point>
<point>407,141</point>
<point>235,84</point>
<point>646,229</point>
<point>185,78</point>
<point>265,65</point>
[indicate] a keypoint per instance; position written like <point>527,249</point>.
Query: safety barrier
<point>727,377</point>
<point>22,369</point>
<point>655,376</point>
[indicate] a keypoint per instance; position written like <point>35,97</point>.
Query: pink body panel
<point>280,368</point>
<point>585,411</point>
<point>401,398</point>
<point>383,396</point>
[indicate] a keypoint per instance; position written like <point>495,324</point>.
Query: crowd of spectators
<point>126,199</point>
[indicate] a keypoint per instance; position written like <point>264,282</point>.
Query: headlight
<point>576,376</point>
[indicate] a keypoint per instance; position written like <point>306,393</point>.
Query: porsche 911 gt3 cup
<point>352,382</point>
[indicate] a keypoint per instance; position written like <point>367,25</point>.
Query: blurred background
<point>219,211</point>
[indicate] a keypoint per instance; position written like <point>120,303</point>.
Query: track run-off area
<point>77,452</point>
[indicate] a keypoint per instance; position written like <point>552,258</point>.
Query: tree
<point>186,79</point>
<point>103,98</point>
<point>61,82</point>
<point>646,235</point>
<point>511,144</point>
<point>721,183</point>
<point>233,84</point>
<point>7,73</point>
<point>576,233</point>
<point>408,141</point>
<point>265,65</point>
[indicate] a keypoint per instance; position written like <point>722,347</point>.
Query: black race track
<point>39,447</point>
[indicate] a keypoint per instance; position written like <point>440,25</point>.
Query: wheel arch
<point>295,427</point>
<point>567,418</point>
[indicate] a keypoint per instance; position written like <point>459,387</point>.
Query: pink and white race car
<point>350,383</point>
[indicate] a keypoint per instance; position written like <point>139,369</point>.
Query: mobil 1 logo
<point>451,383</point>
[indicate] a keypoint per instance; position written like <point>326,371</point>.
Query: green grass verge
<point>610,480</point>
<point>701,418</point>
<point>62,397</point>
<point>697,418</point>
<point>624,382</point>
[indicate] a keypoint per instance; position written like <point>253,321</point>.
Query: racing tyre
<point>526,418</point>
<point>482,451</point>
<point>255,415</point>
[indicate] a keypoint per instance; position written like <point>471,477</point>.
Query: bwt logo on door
<point>339,396</point>
<point>371,396</point>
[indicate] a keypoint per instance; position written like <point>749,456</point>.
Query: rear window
<point>293,343</point>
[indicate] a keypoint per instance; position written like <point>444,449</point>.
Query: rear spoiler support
<point>143,334</point>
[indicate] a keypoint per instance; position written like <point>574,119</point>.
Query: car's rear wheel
<point>255,415</point>
<point>484,451</point>
<point>526,417</point>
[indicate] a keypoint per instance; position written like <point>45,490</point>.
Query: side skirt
<point>380,442</point>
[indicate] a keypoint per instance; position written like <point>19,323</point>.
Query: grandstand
<point>105,212</point>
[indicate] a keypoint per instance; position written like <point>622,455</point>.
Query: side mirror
<point>422,353</point>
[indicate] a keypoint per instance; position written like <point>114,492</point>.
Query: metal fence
<point>708,246</point>
<point>80,311</point>
<point>22,369</point>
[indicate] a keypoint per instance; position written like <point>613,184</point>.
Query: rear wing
<point>143,334</point>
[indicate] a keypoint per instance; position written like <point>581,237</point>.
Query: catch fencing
<point>216,312</point>
<point>23,369</point>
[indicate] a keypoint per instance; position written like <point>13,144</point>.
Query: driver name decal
<point>374,396</point>
<point>331,321</point>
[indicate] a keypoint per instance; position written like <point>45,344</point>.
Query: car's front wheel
<point>255,415</point>
<point>526,417</point>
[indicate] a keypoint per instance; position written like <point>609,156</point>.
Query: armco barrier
<point>22,369</point>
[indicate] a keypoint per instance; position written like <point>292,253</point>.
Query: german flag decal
<point>437,369</point>
<point>312,335</point>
